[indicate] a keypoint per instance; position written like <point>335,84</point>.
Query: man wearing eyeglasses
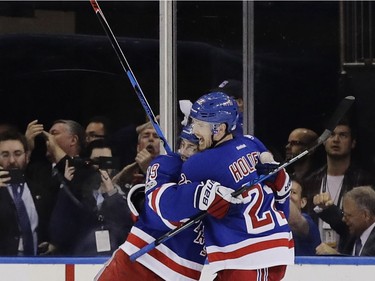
<point>299,140</point>
<point>97,128</point>
<point>329,184</point>
<point>18,216</point>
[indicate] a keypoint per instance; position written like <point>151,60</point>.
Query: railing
<point>356,33</point>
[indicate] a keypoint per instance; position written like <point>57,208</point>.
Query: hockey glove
<point>266,165</point>
<point>213,198</point>
<point>277,182</point>
<point>263,169</point>
<point>281,185</point>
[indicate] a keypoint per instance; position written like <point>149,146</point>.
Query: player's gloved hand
<point>266,165</point>
<point>214,198</point>
<point>263,169</point>
<point>278,181</point>
<point>281,185</point>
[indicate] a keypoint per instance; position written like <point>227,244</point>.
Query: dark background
<point>48,76</point>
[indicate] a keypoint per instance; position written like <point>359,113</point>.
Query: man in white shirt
<point>327,186</point>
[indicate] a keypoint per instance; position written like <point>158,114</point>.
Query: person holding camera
<point>18,214</point>
<point>92,218</point>
<point>48,152</point>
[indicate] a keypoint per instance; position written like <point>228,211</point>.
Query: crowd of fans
<point>322,223</point>
<point>63,191</point>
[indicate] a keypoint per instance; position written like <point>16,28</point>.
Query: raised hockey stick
<point>341,110</point>
<point>129,73</point>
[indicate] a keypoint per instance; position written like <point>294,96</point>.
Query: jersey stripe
<point>161,257</point>
<point>257,247</point>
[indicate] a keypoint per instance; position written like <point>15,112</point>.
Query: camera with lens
<point>103,162</point>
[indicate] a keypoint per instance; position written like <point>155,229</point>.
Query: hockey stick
<point>129,73</point>
<point>341,110</point>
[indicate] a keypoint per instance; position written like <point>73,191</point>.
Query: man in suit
<point>64,141</point>
<point>18,216</point>
<point>359,216</point>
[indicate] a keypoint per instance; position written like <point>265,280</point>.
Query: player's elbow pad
<point>135,204</point>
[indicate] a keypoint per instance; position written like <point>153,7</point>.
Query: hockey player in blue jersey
<point>247,237</point>
<point>182,258</point>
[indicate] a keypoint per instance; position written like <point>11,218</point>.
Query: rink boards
<point>84,269</point>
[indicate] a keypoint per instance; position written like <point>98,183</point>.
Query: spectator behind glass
<point>92,219</point>
<point>64,140</point>
<point>124,140</point>
<point>305,231</point>
<point>16,238</point>
<point>69,136</point>
<point>148,148</point>
<point>327,186</point>
<point>98,127</point>
<point>359,216</point>
<point>299,140</point>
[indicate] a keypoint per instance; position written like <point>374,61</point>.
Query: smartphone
<point>16,176</point>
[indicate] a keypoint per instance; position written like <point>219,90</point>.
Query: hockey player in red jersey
<point>182,258</point>
<point>247,237</point>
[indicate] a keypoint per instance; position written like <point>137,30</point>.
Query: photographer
<point>92,218</point>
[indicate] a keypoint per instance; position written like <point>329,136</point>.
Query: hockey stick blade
<point>125,65</point>
<point>340,112</point>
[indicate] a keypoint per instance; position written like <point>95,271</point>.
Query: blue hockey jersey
<point>179,258</point>
<point>252,235</point>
